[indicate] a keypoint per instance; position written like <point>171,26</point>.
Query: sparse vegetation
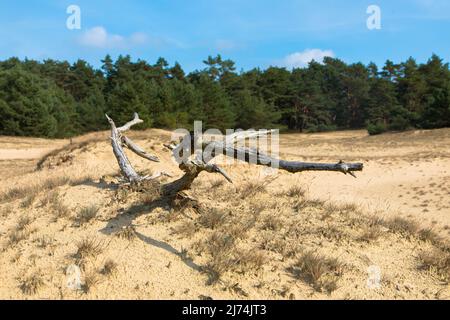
<point>90,281</point>
<point>109,268</point>
<point>437,261</point>
<point>31,284</point>
<point>186,229</point>
<point>17,236</point>
<point>295,191</point>
<point>23,222</point>
<point>127,232</point>
<point>401,225</point>
<point>253,187</point>
<point>271,222</point>
<point>319,271</point>
<point>217,183</point>
<point>49,198</point>
<point>28,201</point>
<point>33,190</point>
<point>370,233</point>
<point>241,244</point>
<point>44,241</point>
<point>212,218</point>
<point>86,214</point>
<point>87,248</point>
<point>60,210</point>
<point>429,235</point>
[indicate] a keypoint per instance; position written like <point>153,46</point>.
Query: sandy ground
<point>142,248</point>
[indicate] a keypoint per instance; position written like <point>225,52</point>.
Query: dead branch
<point>118,141</point>
<point>193,167</point>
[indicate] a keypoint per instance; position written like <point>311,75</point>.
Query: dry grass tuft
<point>217,266</point>
<point>60,210</point>
<point>251,260</point>
<point>186,229</point>
<point>87,248</point>
<point>252,188</point>
<point>16,236</point>
<point>23,222</point>
<point>6,211</point>
<point>218,242</point>
<point>90,281</point>
<point>319,271</point>
<point>31,284</point>
<point>370,232</point>
<point>436,261</point>
<point>127,232</point>
<point>212,218</point>
<point>34,189</point>
<point>429,235</point>
<point>151,192</point>
<point>86,214</point>
<point>302,204</point>
<point>271,222</point>
<point>44,241</point>
<point>296,191</point>
<point>14,193</point>
<point>28,201</point>
<point>402,226</point>
<point>217,183</point>
<point>109,268</point>
<point>49,198</point>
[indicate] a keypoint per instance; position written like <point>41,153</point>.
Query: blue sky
<point>254,33</point>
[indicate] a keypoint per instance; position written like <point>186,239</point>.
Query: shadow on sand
<point>127,217</point>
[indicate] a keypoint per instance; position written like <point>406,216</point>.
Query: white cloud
<point>301,59</point>
<point>98,37</point>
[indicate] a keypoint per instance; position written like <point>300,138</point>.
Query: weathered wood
<point>118,141</point>
<point>124,164</point>
<point>249,155</point>
<point>192,168</point>
<point>138,150</point>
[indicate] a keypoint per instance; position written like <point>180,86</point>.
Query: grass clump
<point>212,218</point>
<point>402,226</point>
<point>87,248</point>
<point>319,271</point>
<point>31,284</point>
<point>127,232</point>
<point>109,268</point>
<point>186,229</point>
<point>90,281</point>
<point>33,190</point>
<point>86,214</point>
<point>296,191</point>
<point>436,261</point>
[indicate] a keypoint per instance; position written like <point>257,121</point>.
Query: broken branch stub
<point>193,167</point>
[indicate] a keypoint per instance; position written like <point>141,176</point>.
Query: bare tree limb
<point>138,150</point>
<point>131,123</point>
<point>117,141</point>
<point>193,167</point>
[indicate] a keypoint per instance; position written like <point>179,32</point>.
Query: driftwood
<point>193,167</point>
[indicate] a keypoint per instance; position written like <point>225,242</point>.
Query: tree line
<point>59,99</point>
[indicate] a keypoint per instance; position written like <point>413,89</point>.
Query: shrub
<point>376,128</point>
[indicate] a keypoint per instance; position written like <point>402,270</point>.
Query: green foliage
<point>30,105</point>
<point>58,99</point>
<point>376,128</point>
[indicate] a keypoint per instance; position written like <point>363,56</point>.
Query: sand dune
<point>303,236</point>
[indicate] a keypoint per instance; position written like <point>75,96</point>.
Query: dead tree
<point>193,167</point>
